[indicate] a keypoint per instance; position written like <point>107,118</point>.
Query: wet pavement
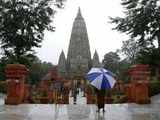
<point>79,111</point>
<point>155,99</point>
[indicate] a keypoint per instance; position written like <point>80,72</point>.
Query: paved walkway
<point>80,99</point>
<point>156,99</point>
<point>79,112</point>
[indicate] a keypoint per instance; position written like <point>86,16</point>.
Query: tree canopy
<point>22,25</point>
<point>141,21</point>
<point>111,61</point>
<point>119,67</point>
<point>37,70</point>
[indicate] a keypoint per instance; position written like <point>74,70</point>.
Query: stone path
<point>79,111</point>
<point>80,99</point>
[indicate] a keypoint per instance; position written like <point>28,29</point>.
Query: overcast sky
<point>100,33</point>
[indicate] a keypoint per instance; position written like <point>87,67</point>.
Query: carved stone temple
<point>78,61</point>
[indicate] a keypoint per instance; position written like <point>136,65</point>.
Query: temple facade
<point>78,61</point>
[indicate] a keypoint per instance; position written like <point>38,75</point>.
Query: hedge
<point>154,87</point>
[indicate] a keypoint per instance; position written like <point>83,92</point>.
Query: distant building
<point>78,61</point>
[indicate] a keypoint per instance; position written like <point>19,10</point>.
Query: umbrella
<point>101,78</point>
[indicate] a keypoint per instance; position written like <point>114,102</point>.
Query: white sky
<point>100,33</point>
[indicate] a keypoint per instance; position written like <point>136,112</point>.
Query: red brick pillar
<point>138,86</point>
<point>130,92</point>
<point>89,95</point>
<point>15,77</point>
<point>66,96</point>
<point>26,93</point>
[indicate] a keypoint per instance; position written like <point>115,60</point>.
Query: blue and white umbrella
<point>101,78</point>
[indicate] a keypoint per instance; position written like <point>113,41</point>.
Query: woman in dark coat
<point>101,100</point>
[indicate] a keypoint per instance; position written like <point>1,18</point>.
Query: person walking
<point>100,100</point>
<point>102,79</point>
<point>75,95</point>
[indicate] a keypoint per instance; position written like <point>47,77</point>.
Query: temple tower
<point>78,61</point>
<point>79,55</point>
<point>62,65</point>
<point>95,61</point>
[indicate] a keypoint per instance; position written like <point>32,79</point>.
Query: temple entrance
<point>78,91</point>
<point>55,90</point>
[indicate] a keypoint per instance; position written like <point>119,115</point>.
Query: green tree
<point>151,57</point>
<point>2,66</point>
<point>22,25</point>
<point>119,67</point>
<point>37,70</point>
<point>111,61</point>
<point>141,21</point>
<point>123,70</point>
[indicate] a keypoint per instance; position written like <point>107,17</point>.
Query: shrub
<point>3,87</point>
<point>154,87</point>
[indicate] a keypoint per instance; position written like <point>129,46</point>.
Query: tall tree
<point>141,21</point>
<point>22,25</point>
<point>37,70</point>
<point>119,67</point>
<point>111,61</point>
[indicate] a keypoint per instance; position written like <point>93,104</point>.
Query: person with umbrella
<point>102,79</point>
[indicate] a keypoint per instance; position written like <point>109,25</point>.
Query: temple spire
<point>95,61</point>
<point>79,15</point>
<point>79,56</point>
<point>62,65</point>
